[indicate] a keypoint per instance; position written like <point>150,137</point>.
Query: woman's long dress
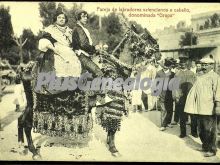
<point>67,113</point>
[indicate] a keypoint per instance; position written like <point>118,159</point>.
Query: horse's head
<point>143,47</point>
<point>134,48</point>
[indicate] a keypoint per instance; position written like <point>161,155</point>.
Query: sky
<point>26,14</point>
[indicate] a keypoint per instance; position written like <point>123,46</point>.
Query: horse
<point>109,114</point>
<point>139,48</point>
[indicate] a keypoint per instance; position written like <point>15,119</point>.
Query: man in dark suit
<point>82,43</point>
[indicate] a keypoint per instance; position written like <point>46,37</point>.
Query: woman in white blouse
<point>58,38</point>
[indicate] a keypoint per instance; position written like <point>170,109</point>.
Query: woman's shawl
<point>66,63</point>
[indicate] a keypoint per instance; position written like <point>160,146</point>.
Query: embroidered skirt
<point>66,114</point>
<point>109,115</point>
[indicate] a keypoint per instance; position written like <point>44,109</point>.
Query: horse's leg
<point>112,148</point>
<point>25,124</point>
<point>21,124</point>
<point>27,129</point>
<point>108,135</point>
<point>31,147</point>
<point>28,118</point>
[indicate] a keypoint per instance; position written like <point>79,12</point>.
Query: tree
<point>20,45</point>
<point>189,38</point>
<point>207,24</point>
<point>47,12</point>
<point>201,27</point>
<point>12,55</point>
<point>31,44</point>
<point>94,22</point>
<point>113,25</point>
<point>6,30</point>
<point>113,29</point>
<point>215,20</point>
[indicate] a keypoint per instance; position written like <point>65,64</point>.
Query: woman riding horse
<point>68,113</point>
<point>57,113</point>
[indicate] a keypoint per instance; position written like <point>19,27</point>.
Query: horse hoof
<point>36,157</point>
<point>24,151</point>
<point>114,151</point>
<point>116,154</point>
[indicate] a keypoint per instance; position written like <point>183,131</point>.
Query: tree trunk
<point>29,55</point>
<point>21,54</point>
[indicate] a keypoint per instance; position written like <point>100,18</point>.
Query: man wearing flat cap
<point>82,43</point>
<point>165,101</point>
<point>203,100</point>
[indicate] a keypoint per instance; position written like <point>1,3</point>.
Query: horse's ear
<point>133,27</point>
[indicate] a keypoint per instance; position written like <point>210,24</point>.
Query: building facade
<point>206,26</point>
<point>169,39</point>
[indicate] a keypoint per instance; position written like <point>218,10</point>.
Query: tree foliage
<point>30,46</point>
<point>6,30</point>
<point>113,26</point>
<point>31,43</point>
<point>215,20</point>
<point>12,55</point>
<point>113,30</point>
<point>47,12</point>
<point>189,38</point>
<point>211,22</point>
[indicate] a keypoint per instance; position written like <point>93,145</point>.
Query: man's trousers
<point>207,132</point>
